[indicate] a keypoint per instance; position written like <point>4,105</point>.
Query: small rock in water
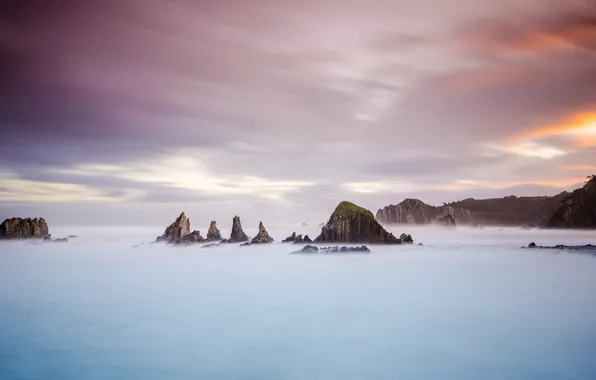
<point>406,239</point>
<point>290,239</point>
<point>334,249</point>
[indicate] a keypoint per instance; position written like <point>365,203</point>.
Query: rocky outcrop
<point>213,233</point>
<point>262,236</point>
<point>446,221</point>
<point>237,235</point>
<point>577,210</point>
<point>353,224</point>
<point>414,211</point>
<point>192,238</point>
<point>586,248</point>
<point>48,239</point>
<point>290,239</point>
<point>406,239</point>
<point>176,231</point>
<point>19,228</point>
<point>336,249</point>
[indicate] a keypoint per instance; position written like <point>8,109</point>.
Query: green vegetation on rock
<point>349,207</point>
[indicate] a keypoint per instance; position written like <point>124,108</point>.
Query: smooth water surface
<point>469,304</point>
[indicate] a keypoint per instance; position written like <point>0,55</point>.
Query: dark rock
<point>406,239</point>
<point>193,238</point>
<point>19,228</point>
<point>290,239</point>
<point>213,233</point>
<point>577,210</point>
<point>420,244</point>
<point>307,239</point>
<point>350,223</point>
<point>48,239</point>
<point>211,245</point>
<point>262,236</point>
<point>587,248</point>
<point>245,244</point>
<point>176,231</point>
<point>237,235</point>
<point>446,221</point>
<point>335,249</point>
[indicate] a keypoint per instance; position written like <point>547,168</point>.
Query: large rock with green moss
<point>350,223</point>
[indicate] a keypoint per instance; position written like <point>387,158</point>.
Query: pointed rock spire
<point>263,236</point>
<point>237,234</point>
<point>176,231</point>
<point>213,234</point>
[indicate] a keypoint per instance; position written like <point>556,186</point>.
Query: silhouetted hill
<point>576,210</point>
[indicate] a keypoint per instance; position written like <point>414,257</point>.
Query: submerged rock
<point>290,239</point>
<point>211,245</point>
<point>336,249</point>
<point>48,239</point>
<point>237,235</point>
<point>28,228</point>
<point>262,236</point>
<point>350,223</point>
<point>587,247</point>
<point>213,233</point>
<point>176,231</point>
<point>446,221</point>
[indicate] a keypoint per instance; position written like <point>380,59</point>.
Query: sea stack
<point>176,231</point>
<point>28,228</point>
<point>350,223</point>
<point>213,234</point>
<point>237,235</point>
<point>263,236</point>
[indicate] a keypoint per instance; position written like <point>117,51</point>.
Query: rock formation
<point>336,249</point>
<point>406,239</point>
<point>414,211</point>
<point>262,236</point>
<point>290,239</point>
<point>177,231</point>
<point>18,228</point>
<point>213,233</point>
<point>354,224</point>
<point>237,235</point>
<point>48,239</point>
<point>507,211</point>
<point>192,238</point>
<point>446,221</point>
<point>585,248</point>
<point>577,210</point>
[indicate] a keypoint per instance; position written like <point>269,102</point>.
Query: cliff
<point>414,211</point>
<point>576,210</point>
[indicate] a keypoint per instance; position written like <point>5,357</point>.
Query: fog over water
<point>469,304</point>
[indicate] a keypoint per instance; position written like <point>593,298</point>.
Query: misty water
<point>469,304</point>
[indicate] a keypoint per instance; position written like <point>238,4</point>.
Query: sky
<point>129,112</point>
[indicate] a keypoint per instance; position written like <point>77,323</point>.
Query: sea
<point>467,304</point>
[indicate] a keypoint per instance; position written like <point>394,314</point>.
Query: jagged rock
<point>406,239</point>
<point>302,240</point>
<point>307,239</point>
<point>336,249</point>
<point>213,233</point>
<point>577,210</point>
<point>353,224</point>
<point>290,239</point>
<point>19,228</point>
<point>193,238</point>
<point>237,235</point>
<point>446,221</point>
<point>176,231</point>
<point>262,236</point>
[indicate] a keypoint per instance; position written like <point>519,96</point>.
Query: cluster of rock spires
<point>19,228</point>
<point>297,239</point>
